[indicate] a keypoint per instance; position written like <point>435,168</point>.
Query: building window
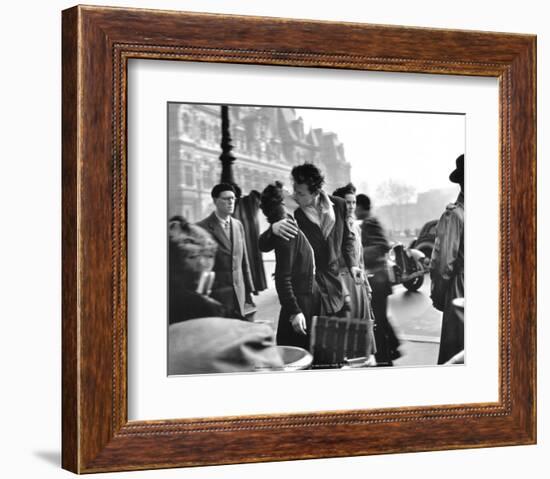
<point>237,139</point>
<point>212,134</point>
<point>188,175</point>
<point>274,151</point>
<point>262,128</point>
<point>207,182</point>
<point>202,130</point>
<point>257,150</point>
<point>185,123</point>
<point>182,152</point>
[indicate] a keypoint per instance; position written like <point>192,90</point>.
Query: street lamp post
<point>226,156</point>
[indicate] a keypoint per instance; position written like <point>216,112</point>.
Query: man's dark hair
<point>363,201</point>
<point>271,202</point>
<point>341,192</point>
<point>218,189</point>
<point>310,175</point>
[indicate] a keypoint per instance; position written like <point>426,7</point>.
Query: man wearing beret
<point>233,283</point>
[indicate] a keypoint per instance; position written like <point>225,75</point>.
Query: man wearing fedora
<point>447,269</point>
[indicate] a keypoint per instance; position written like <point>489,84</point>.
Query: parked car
<point>426,239</point>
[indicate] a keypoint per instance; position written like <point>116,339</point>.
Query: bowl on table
<point>295,358</point>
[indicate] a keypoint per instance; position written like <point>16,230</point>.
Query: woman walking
<point>357,295</point>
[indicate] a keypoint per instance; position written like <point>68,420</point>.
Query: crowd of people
<point>330,260</point>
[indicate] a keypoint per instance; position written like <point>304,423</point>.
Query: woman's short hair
<point>341,192</point>
<point>309,175</point>
<point>271,200</point>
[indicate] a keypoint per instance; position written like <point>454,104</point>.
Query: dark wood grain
<point>97,42</point>
<point>69,399</point>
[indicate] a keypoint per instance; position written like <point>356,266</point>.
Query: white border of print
<point>153,395</point>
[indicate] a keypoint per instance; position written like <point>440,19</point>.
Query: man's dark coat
<point>233,281</point>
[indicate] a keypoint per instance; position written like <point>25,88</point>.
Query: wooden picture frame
<point>96,45</point>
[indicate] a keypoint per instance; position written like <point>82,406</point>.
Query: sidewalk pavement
<point>417,353</point>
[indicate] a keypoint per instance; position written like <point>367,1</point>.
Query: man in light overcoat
<point>447,270</point>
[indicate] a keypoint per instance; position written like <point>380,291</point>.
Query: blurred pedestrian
<point>447,269</point>
<point>375,248</point>
<point>358,294</point>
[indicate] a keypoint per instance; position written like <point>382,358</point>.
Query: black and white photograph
<point>163,325</point>
<point>311,238</point>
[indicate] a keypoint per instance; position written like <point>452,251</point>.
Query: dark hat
<point>457,176</point>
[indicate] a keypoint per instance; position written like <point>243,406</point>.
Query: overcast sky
<point>416,148</point>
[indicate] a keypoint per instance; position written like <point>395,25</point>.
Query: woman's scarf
<point>322,213</point>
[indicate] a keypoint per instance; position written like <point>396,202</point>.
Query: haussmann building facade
<point>267,143</point>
